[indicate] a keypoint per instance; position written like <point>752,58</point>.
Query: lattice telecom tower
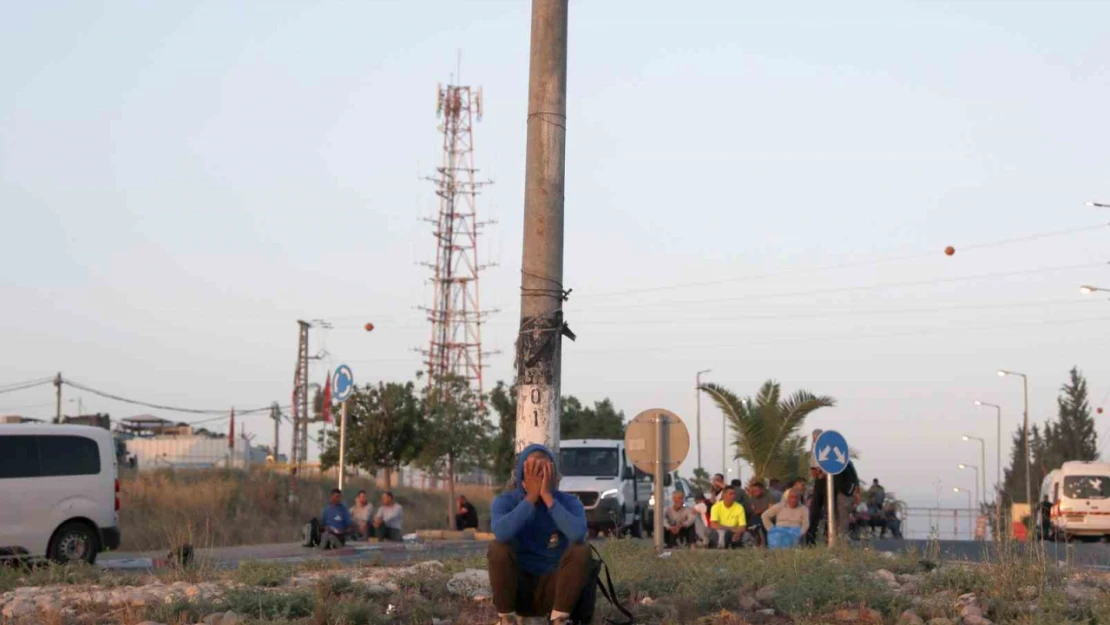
<point>456,315</point>
<point>299,450</point>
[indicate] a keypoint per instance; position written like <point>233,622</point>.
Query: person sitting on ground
<point>891,521</point>
<point>788,513</point>
<point>336,520</point>
<point>774,489</point>
<point>467,515</point>
<point>728,522</point>
<point>759,500</point>
<point>716,487</point>
<point>876,496</point>
<point>680,522</point>
<point>360,516</point>
<point>702,506</point>
<point>538,562</point>
<point>388,520</point>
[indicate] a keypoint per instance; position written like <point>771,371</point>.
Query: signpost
<point>342,385</point>
<point>657,442</point>
<point>830,451</point>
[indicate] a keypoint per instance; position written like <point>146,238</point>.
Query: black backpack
<point>583,613</point>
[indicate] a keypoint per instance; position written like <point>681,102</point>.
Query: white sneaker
<point>534,620</point>
<point>507,619</point>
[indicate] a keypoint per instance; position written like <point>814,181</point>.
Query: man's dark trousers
<point>525,594</point>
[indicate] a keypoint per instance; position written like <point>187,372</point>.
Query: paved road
<point>1091,555</point>
<point>1080,554</point>
<point>230,557</point>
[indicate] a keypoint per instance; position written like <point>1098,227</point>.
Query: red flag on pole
<point>231,431</point>
<point>326,410</point>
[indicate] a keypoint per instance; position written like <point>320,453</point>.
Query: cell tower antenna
<point>456,315</point>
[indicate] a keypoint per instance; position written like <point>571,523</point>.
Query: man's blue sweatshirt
<point>539,534</point>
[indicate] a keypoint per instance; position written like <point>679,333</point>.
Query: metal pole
<point>976,491</point>
<point>830,503</point>
<point>697,419</point>
<point>58,397</point>
<point>998,461</point>
<point>275,414</point>
<point>660,462</point>
<point>539,345</point>
<point>342,442</point>
<point>983,475</point>
<point>1025,428</point>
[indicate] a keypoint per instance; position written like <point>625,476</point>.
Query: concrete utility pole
<point>58,397</point>
<point>539,345</point>
<point>275,414</point>
<point>697,392</point>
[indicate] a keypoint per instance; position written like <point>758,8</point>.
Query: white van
<point>1080,496</point>
<point>613,492</point>
<point>59,492</point>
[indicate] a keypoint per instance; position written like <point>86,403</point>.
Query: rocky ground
<point>708,588</point>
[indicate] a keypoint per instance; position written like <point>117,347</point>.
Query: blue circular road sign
<point>831,452</point>
<point>342,383</point>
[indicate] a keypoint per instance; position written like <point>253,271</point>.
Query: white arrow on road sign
<point>839,455</point>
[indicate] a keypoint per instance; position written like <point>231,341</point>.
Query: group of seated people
<point>730,517</point>
<point>338,523</point>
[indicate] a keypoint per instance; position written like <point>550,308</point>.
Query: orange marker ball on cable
<point>949,250</point>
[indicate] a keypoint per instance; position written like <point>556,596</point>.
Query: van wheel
<point>636,530</point>
<point>73,543</point>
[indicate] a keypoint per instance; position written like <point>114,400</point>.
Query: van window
<point>589,461</point>
<point>1087,486</point>
<point>68,455</point>
<point>19,457</point>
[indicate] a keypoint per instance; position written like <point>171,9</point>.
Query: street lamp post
<point>1087,289</point>
<point>970,516</point>
<point>697,390</point>
<point>1098,205</point>
<point>998,451</point>
<point>1024,430</point>
<point>982,465</point>
<point>971,466</point>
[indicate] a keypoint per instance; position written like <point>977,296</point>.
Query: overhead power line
<point>222,411</point>
<point>847,289</point>
<point>20,386</point>
<point>847,265</point>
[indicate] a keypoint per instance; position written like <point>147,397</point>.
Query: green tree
<point>456,433</point>
<point>1073,435</point>
<point>602,420</point>
<point>502,448</point>
<point>1013,483</point>
<point>765,428</point>
<point>383,429</point>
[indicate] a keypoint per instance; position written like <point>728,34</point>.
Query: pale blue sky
<point>181,181</point>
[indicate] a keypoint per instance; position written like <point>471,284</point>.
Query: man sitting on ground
<point>716,487</point>
<point>727,520</point>
<point>774,489</point>
<point>789,513</point>
<point>388,519</point>
<point>467,516</point>
<point>360,516</point>
<point>759,501</point>
<point>336,521</point>
<point>679,522</point>
<point>538,563</point>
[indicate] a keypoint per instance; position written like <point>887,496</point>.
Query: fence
<point>945,524</point>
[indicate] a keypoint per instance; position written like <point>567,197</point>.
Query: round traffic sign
<point>342,383</point>
<point>830,450</point>
<point>639,440</point>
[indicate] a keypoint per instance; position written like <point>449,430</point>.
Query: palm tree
<point>765,429</point>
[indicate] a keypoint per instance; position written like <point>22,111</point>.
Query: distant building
<point>97,420</point>
<point>191,452</point>
<point>14,418</point>
<point>149,425</point>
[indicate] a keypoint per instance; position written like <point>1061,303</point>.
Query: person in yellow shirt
<point>728,521</point>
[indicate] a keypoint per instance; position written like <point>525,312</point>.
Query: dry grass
<point>211,508</point>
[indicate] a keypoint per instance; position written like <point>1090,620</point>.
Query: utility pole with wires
<point>542,327</point>
<point>275,414</point>
<point>58,397</point>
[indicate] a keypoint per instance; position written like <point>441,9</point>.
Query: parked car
<point>60,492</point>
